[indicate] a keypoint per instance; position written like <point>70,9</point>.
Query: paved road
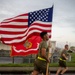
<point>39,74</point>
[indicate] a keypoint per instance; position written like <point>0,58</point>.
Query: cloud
<point>64,13</point>
<point>5,12</point>
<point>73,31</point>
<point>13,8</point>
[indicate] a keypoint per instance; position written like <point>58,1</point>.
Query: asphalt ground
<point>23,73</point>
<point>39,74</point>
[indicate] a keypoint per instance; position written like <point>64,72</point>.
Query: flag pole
<point>49,55</point>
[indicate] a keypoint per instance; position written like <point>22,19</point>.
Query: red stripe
<point>20,39</point>
<point>26,14</point>
<point>42,25</point>
<point>34,28</point>
<point>36,33</point>
<point>38,23</point>
<point>6,32</point>
<point>38,29</point>
<point>16,17</point>
<point>14,26</point>
<point>17,20</point>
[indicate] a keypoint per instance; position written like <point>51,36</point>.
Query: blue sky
<point>63,29</point>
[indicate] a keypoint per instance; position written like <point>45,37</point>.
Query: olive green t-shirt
<point>43,44</point>
<point>64,52</point>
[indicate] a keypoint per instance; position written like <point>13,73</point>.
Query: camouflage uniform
<point>41,63</point>
<point>62,60</point>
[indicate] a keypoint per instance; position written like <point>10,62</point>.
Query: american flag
<point>17,29</point>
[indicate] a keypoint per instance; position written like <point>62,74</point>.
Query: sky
<point>63,25</point>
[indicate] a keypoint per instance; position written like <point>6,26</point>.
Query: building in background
<point>53,46</point>
<point>4,49</point>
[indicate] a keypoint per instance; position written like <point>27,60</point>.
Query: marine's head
<point>66,47</point>
<point>44,35</point>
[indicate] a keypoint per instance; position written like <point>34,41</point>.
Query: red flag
<point>30,46</point>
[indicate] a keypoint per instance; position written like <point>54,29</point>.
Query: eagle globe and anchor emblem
<point>28,44</point>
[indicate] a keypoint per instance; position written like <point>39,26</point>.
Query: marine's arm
<point>43,54</point>
<point>64,56</point>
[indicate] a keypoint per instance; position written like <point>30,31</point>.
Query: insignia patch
<point>28,44</point>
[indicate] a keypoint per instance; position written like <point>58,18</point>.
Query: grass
<point>24,65</point>
<point>73,57</point>
<point>31,65</point>
<point>16,65</point>
<point>72,63</point>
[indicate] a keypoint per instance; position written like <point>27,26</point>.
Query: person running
<point>41,61</point>
<point>62,61</point>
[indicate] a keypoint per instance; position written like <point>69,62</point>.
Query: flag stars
<point>46,20</point>
<point>47,13</point>
<point>43,19</point>
<point>30,17</point>
<point>30,22</point>
<point>39,19</point>
<point>30,13</point>
<point>34,13</point>
<point>41,15</point>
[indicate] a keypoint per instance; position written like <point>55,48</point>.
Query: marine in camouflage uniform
<point>62,61</point>
<point>41,61</point>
